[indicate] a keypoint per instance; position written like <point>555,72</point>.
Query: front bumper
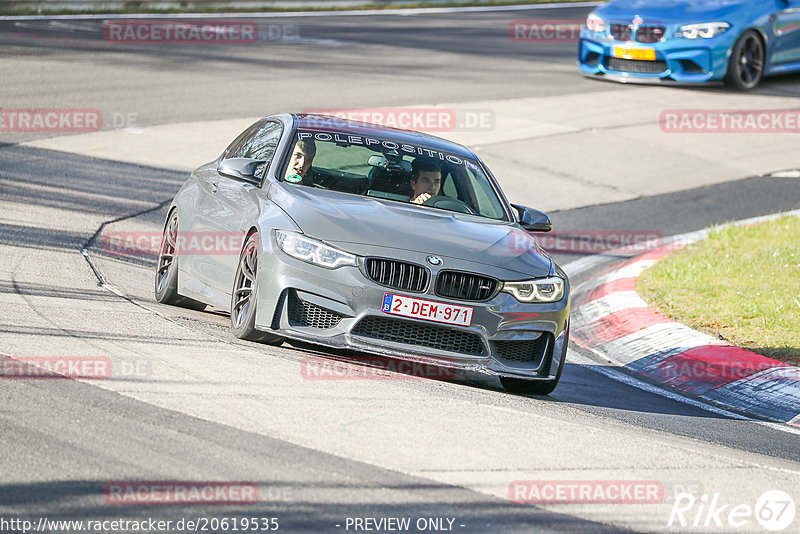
<point>341,308</point>
<point>676,60</point>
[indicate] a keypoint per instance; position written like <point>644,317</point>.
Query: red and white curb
<point>611,320</point>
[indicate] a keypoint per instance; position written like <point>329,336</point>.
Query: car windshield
<point>393,171</point>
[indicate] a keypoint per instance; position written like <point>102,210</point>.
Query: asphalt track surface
<point>62,441</point>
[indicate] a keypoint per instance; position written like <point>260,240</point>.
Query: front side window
<point>259,141</point>
<point>239,145</point>
<point>385,169</point>
<point>263,145</point>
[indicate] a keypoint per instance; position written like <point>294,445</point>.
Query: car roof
<point>310,121</point>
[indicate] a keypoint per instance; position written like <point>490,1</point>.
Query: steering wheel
<point>449,203</point>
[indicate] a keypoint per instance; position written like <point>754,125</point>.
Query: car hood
<point>675,11</point>
<point>344,219</point>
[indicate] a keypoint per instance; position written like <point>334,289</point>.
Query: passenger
<point>426,179</point>
<point>300,162</point>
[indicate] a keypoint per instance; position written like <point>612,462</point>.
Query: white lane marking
<point>55,25</point>
<point>786,174</point>
<point>576,267</point>
<point>574,357</point>
<point>315,40</point>
<point>629,271</point>
<point>620,300</point>
<point>309,14</point>
<point>634,270</point>
<point>58,25</point>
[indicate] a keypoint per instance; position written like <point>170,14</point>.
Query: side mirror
<point>241,169</point>
<point>532,220</point>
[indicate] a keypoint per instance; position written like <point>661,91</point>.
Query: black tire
<point>746,64</point>
<point>166,280</point>
<point>243,303</point>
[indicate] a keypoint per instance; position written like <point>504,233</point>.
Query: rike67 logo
<point>774,510</point>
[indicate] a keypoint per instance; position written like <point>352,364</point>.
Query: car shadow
<point>606,392</point>
<point>579,383</point>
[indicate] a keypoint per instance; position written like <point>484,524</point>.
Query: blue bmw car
<point>691,41</point>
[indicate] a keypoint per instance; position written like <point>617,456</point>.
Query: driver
<point>302,156</point>
<point>426,180</point>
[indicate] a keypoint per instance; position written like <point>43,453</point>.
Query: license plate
<point>646,54</point>
<point>427,310</point>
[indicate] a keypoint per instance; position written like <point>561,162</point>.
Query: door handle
<point>213,187</point>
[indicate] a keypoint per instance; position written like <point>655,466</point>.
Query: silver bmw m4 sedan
<point>363,237</point>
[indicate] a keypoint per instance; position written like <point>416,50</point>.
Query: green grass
<point>742,284</point>
<point>144,8</point>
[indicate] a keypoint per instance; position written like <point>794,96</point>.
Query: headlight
<point>312,251</point>
<point>595,23</point>
<point>539,290</point>
<point>707,30</point>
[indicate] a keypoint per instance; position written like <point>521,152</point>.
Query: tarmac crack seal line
<point>89,242</point>
<point>612,321</point>
<point>101,281</point>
